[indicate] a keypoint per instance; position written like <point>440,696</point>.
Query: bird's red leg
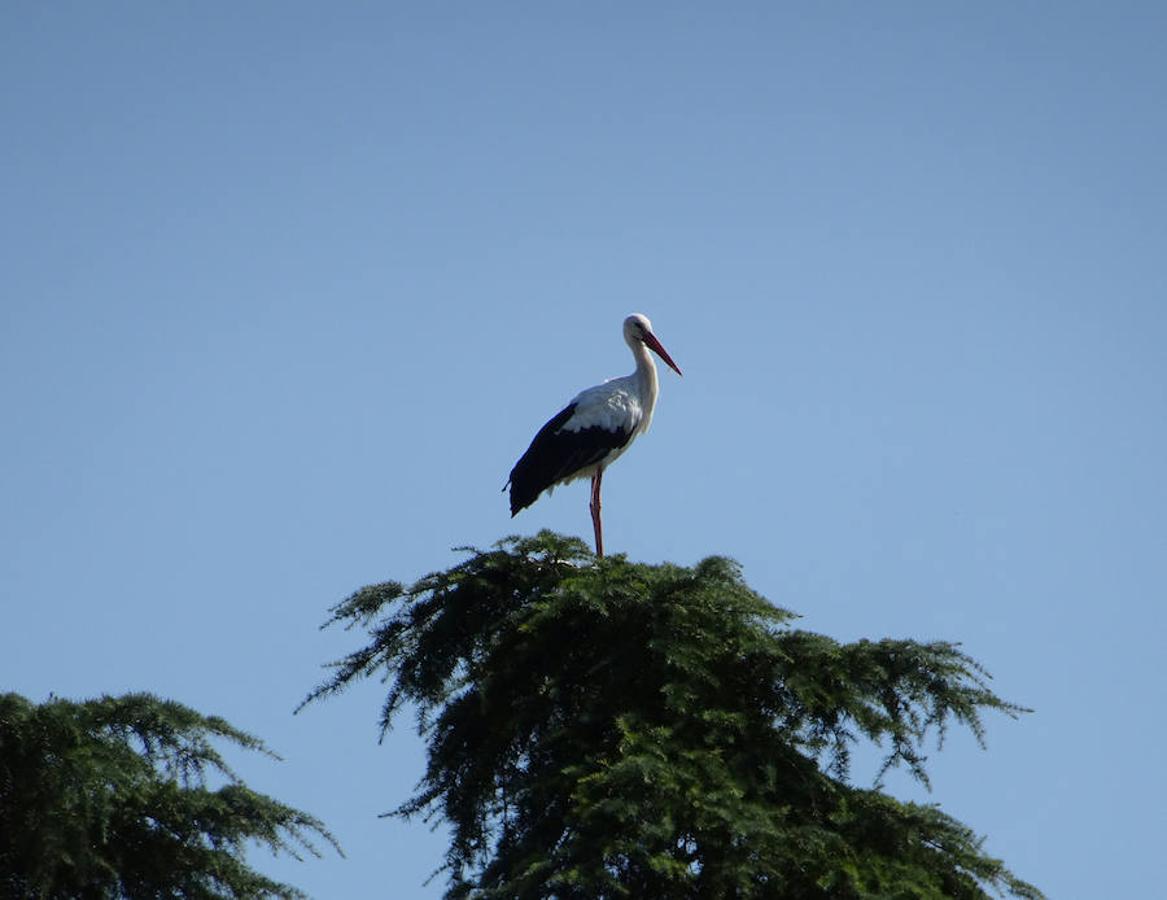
<point>594,506</point>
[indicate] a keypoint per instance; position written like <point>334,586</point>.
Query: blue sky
<point>285,289</point>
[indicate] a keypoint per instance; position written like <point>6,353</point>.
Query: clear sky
<point>286,288</point>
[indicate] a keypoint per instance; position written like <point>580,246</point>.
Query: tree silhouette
<point>109,798</point>
<point>603,728</point>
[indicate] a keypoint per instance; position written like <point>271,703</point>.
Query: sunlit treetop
<point>605,728</point>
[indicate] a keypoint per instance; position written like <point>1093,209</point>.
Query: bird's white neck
<point>646,380</point>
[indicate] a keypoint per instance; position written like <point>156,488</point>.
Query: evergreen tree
<point>109,798</point>
<point>599,728</point>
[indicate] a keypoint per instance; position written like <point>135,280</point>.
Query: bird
<point>593,430</point>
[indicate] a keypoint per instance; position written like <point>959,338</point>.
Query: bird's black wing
<point>557,453</point>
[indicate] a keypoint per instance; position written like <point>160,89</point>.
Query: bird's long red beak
<point>656,347</point>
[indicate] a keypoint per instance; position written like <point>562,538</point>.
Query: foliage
<point>601,728</point>
<point>109,798</point>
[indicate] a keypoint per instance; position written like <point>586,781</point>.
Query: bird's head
<point>637,328</point>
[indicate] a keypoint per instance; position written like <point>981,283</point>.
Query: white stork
<point>588,434</point>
